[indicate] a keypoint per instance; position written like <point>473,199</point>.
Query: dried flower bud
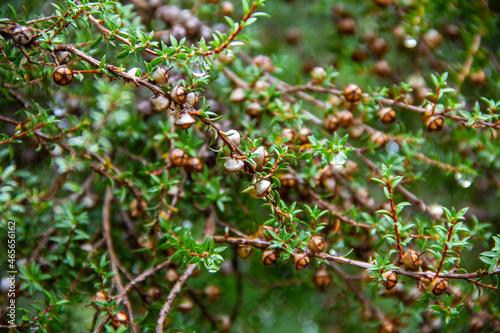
<point>439,286</point>
<point>233,165</point>
<point>390,279</point>
<point>179,94</point>
<point>435,123</point>
<point>184,120</point>
<point>321,278</point>
<point>178,157</point>
<point>244,251</point>
<point>212,292</point>
<point>316,244</point>
<point>269,257</point>
<point>387,115</point>
<point>352,93</point>
<point>119,319</point>
<point>301,260</point>
<point>411,259</point>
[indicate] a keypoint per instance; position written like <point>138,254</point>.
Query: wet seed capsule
<point>62,75</point>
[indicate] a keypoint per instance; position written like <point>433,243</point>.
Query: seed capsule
<point>162,103</point>
<point>22,35</point>
<point>264,62</point>
<point>253,109</point>
<point>387,327</point>
<point>172,275</point>
<point>178,157</point>
<point>316,244</point>
<point>321,278</point>
<point>262,188</point>
<point>192,99</point>
<point>382,68</point>
<point>244,251</point>
<point>184,121</point>
<point>379,46</point>
<point>390,279</point>
<point>160,75</point>
<point>234,136</point>
<point>233,165</point>
<point>288,181</point>
<point>379,138</point>
<point>347,26</point>
<point>439,286</point>
<point>318,75</point>
<point>261,159</point>
<point>387,115</point>
<point>62,75</point>
<point>435,123</point>
<point>193,165</point>
<point>301,260</point>
<point>304,134</point>
<point>411,259</point>
<point>98,297</point>
<point>179,94</point>
<point>119,319</point>
<point>63,57</point>
<point>154,293</point>
<point>352,93</point>
<point>331,123</point>
<point>212,292</point>
<point>269,257</point>
<point>237,96</point>
<point>383,3</point>
<point>262,232</point>
<point>345,118</point>
<point>186,305</point>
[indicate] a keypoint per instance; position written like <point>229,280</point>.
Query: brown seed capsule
<point>193,165</point>
<point>184,120</point>
<point>264,62</point>
<point>98,297</point>
<point>192,99</point>
<point>321,278</point>
<point>22,35</point>
<point>452,30</point>
<point>233,165</point>
<point>304,134</point>
<point>435,123</point>
<point>411,259</point>
<point>234,136</point>
<point>178,94</point>
<point>387,115</point>
<point>331,123</point>
<point>212,292</point>
<point>119,319</point>
<point>301,260</point>
<point>478,78</point>
<point>244,251</point>
<point>383,3</point>
<point>289,134</point>
<point>390,279</point>
<point>160,75</point>
<point>433,38</point>
<point>172,275</point>
<point>269,257</point>
<point>316,244</point>
<point>378,138</point>
<point>62,75</point>
<point>288,181</point>
<point>345,118</point>
<point>439,286</point>
<point>262,188</point>
<point>253,109</point>
<point>382,68</point>
<point>261,159</point>
<point>178,157</point>
<point>263,232</point>
<point>352,93</point>
<point>347,26</point>
<point>227,8</point>
<point>154,293</point>
<point>379,46</point>
<point>359,55</point>
<point>387,327</point>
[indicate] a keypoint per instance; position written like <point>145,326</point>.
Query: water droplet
<point>333,252</point>
<point>212,270</point>
<point>187,224</point>
<point>339,159</point>
<point>458,176</point>
<point>392,147</point>
<point>198,67</point>
<point>463,181</point>
<point>410,42</point>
